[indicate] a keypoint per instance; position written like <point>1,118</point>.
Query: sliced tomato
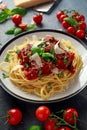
<point>22,25</point>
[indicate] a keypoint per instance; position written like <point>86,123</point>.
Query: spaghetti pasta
<point>43,67</point>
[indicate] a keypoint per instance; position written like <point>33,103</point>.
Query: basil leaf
<point>7,57</point>
<point>21,11</point>
<point>3,16</point>
<point>49,57</point>
<point>7,11</point>
<point>17,31</point>
<point>49,85</point>
<point>31,27</point>
<point>71,21</point>
<point>37,50</point>
<point>10,31</point>
<point>65,60</point>
<point>17,51</point>
<point>35,127</point>
<point>39,72</point>
<point>41,44</point>
<point>4,75</point>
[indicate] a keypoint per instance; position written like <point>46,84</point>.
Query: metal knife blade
<point>44,7</point>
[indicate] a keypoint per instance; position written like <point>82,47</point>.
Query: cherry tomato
<point>75,15</point>
<point>42,113</point>
<point>14,116</point>
<point>82,25</point>
<point>81,18</point>
<point>70,115</point>
<point>38,18</point>
<point>59,14</point>
<point>80,33</point>
<point>71,30</point>
<point>16,18</point>
<point>62,17</point>
<point>50,124</point>
<point>65,24</point>
<point>65,128</point>
<point>22,25</point>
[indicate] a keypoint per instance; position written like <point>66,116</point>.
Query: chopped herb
<point>7,57</point>
<point>49,85</point>
<point>40,51</point>
<point>17,51</point>
<point>49,57</point>
<point>69,47</point>
<point>65,60</point>
<point>61,75</point>
<point>28,54</point>
<point>4,75</point>
<point>41,44</point>
<point>26,65</point>
<point>52,51</point>
<point>39,72</point>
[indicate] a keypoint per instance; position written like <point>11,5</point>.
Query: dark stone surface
<point>28,109</point>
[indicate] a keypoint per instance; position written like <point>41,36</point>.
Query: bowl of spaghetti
<point>43,66</point>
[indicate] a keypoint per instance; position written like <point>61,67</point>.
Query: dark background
<point>28,109</point>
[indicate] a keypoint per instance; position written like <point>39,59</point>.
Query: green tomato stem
<point>64,122</point>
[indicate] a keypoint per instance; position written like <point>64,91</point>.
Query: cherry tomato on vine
<point>82,25</point>
<point>80,33</point>
<point>59,14</point>
<point>74,15</point>
<point>14,116</point>
<point>71,30</point>
<point>65,24</point>
<point>42,113</point>
<point>50,124</point>
<point>17,18</point>
<point>70,115</point>
<point>64,128</point>
<point>81,18</point>
<point>22,25</point>
<point>62,17</point>
<point>38,18</point>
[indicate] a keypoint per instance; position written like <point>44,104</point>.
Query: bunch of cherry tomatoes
<point>61,120</point>
<point>73,22</point>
